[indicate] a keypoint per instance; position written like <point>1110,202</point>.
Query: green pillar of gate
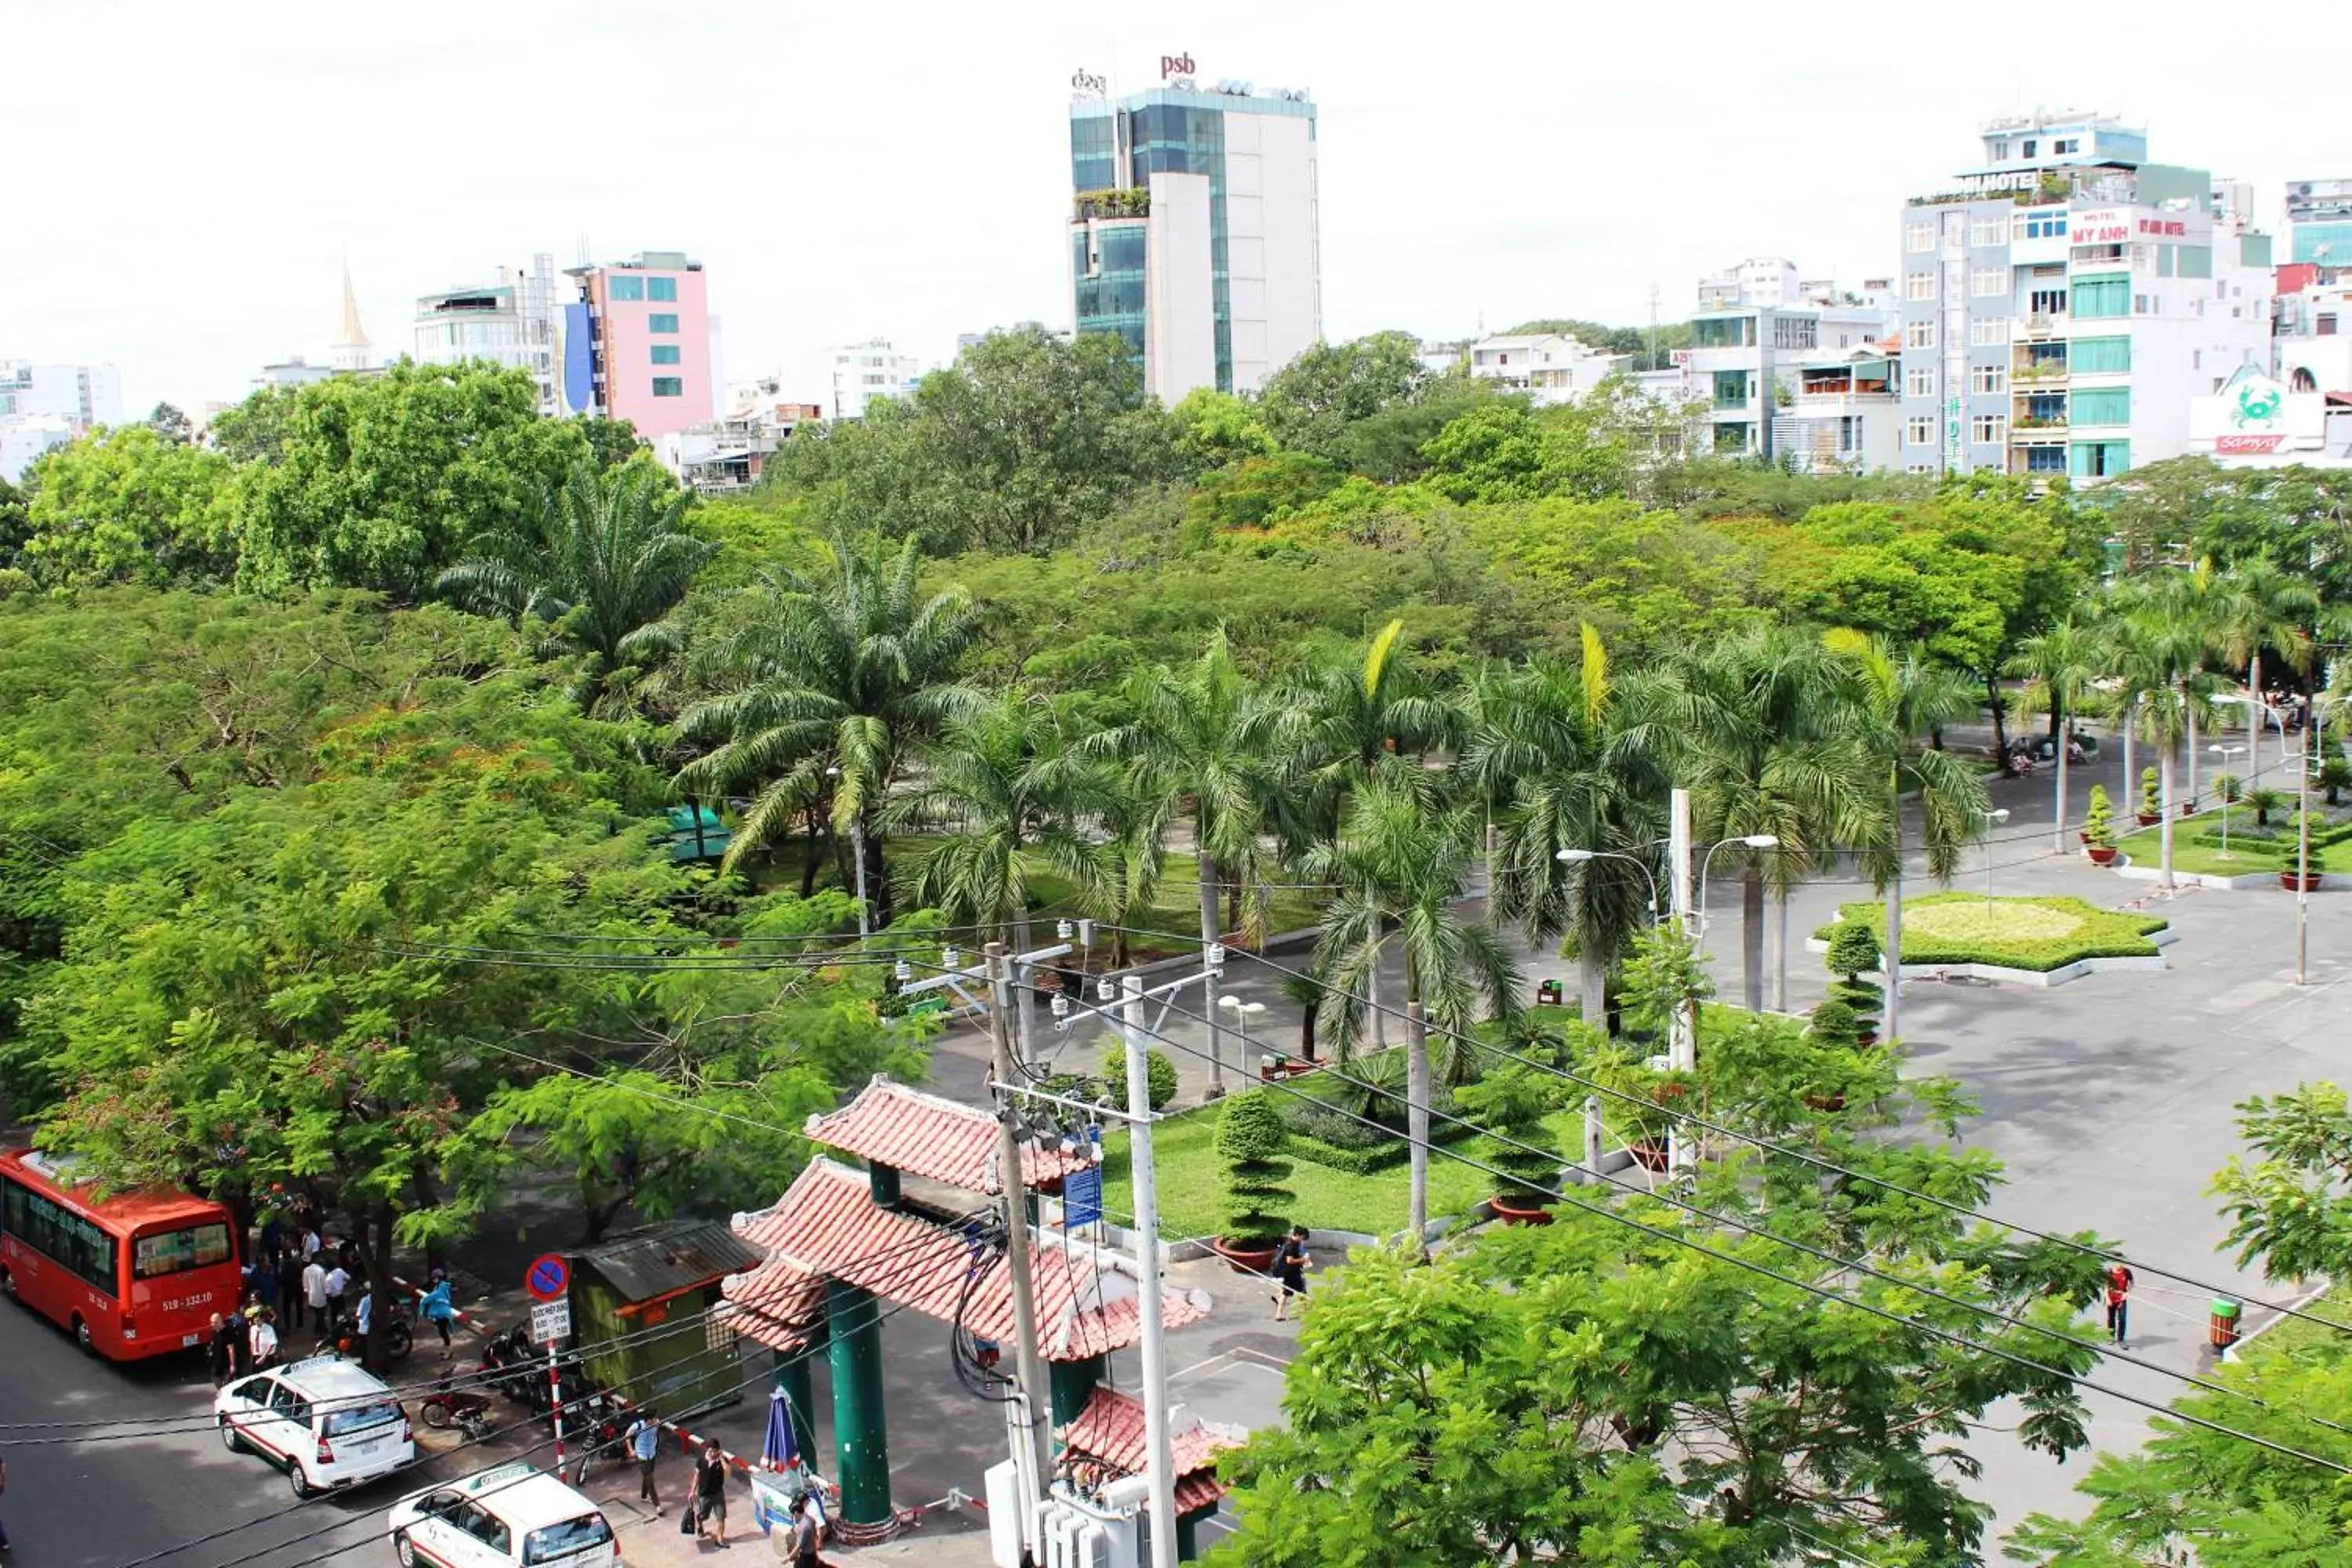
<point>793,1375</point>
<point>860,1430</point>
<point>1073,1384</point>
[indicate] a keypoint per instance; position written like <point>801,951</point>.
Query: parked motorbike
<point>449,1406</point>
<point>514,1368</point>
<point>600,1421</point>
<point>396,1329</point>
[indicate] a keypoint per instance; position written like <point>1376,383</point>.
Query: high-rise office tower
<point>640,344</point>
<point>1193,231</point>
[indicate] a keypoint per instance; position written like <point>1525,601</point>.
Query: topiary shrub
<point>2151,803</point>
<point>1854,952</point>
<point>2099,826</point>
<point>1511,1104</point>
<point>1159,1077</point>
<point>1836,1023</point>
<point>1251,1139</point>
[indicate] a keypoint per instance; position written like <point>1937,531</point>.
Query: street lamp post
<point>1751,841</point>
<point>1579,856</point>
<point>2225,753</point>
<point>2000,814</point>
<point>1243,1013</point>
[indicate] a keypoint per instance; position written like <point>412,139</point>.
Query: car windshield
<point>172,1252</point>
<point>554,1542</point>
<point>360,1417</point>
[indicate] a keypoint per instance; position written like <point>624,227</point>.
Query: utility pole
<point>1680,1036</point>
<point>1890,963</point>
<point>1209,930</point>
<point>1032,1450</point>
<point>1160,1468</point>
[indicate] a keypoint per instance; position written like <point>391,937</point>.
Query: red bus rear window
<point>172,1252</point>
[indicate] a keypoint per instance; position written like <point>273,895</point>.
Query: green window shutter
<point>2102,405</point>
<point>2099,356</point>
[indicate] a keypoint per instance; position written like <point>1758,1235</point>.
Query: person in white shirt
<point>261,1340</point>
<point>314,1294</point>
<point>338,1282</point>
<point>310,1243</point>
<point>367,1311</point>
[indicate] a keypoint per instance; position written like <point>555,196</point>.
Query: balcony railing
<point>2041,324</point>
<point>2039,370</point>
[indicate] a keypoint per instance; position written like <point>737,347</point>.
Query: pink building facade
<point>638,343</point>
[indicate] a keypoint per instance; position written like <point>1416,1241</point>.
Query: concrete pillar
<point>794,1375</point>
<point>860,1427</point>
<point>1188,1534</point>
<point>884,1179</point>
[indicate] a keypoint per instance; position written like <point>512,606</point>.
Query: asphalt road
<point>112,1500</point>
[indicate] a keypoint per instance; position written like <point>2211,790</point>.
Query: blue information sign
<point>1082,1197</point>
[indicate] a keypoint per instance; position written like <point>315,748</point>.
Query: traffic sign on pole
<point>551,1322</point>
<point>548,1278</point>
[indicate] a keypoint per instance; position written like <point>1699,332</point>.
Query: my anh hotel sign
<point>2122,226</point>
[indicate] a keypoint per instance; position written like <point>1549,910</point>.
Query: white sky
<point>180,181</point>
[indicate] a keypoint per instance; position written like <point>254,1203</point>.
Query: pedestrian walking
<point>434,1307</point>
<point>261,1340</point>
<point>2119,1290</point>
<point>314,1291</point>
<point>1290,1266</point>
<point>644,1442</point>
<point>710,1493</point>
<point>312,1242</point>
<point>805,1538</point>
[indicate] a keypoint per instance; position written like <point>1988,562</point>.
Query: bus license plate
<point>189,1342</point>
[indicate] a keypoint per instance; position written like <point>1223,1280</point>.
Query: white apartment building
<point>1195,228</point>
<point>1552,367</point>
<point>43,407</point>
<point>863,371</point>
<point>512,321</point>
<point>2066,300</point>
<point>1791,368</point>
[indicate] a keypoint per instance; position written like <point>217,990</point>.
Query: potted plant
<point>2333,775</point>
<point>1855,952</point>
<point>1510,1103</point>
<point>2151,804</point>
<point>2099,828</point>
<point>1251,1139</point>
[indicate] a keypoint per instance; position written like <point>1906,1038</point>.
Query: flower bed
<point>2038,934</point>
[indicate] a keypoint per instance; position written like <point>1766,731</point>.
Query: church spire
<point>350,349</point>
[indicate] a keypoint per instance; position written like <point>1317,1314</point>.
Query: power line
<point>1955,1339</point>
<point>1789,1151</point>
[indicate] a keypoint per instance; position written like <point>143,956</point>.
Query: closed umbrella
<point>781,1451</point>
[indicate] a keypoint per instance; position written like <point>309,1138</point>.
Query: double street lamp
<point>2225,753</point>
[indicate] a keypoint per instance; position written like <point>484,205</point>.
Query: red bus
<point>138,1274</point>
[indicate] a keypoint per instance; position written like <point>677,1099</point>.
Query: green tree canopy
<point>131,505</point>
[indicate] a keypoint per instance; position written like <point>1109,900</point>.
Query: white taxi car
<point>329,1423</point>
<point>509,1515</point>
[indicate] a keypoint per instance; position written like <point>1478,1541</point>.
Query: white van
<point>511,1516</point>
<point>328,1422</point>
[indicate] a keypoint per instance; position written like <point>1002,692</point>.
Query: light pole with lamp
<point>2225,753</point>
<point>1998,814</point>
<point>1593,1001</point>
<point>1244,1013</point>
<point>857,854</point>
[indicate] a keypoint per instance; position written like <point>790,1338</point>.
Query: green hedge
<point>2115,933</point>
<point>1388,1153</point>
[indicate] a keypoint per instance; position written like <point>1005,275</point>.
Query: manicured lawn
<point>2145,847</point>
<point>1192,1199</point>
<point>2037,933</point>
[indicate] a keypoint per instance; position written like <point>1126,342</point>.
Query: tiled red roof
<point>1112,1430</point>
<point>828,1226</point>
<point>927,1135</point>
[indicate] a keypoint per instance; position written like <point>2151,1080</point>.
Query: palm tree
<point>605,566</point>
<point>1194,747</point>
<point>844,668</point>
<point>1768,742</point>
<point>2062,662</point>
<point>1899,702</point>
<point>1401,860</point>
<point>1560,766</point>
<point>1010,782</point>
<point>2160,632</point>
<point>2251,606</point>
<point>1341,719</point>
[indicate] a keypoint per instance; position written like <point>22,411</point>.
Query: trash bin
<point>2221,1329</point>
<point>1548,993</point>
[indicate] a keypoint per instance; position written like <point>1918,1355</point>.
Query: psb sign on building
<point>1175,65</point>
<point>2254,414</point>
